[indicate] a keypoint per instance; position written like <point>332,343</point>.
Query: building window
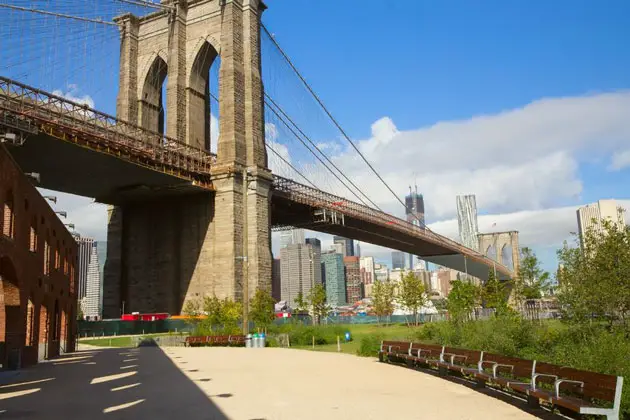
<point>57,257</point>
<point>33,237</point>
<point>8,225</point>
<point>65,264</point>
<point>47,252</point>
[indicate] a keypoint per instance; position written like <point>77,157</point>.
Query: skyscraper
<point>353,279</point>
<point>300,270</point>
<point>92,306</point>
<point>348,245</point>
<point>592,215</point>
<point>357,250</point>
<point>467,221</point>
<point>291,237</point>
<point>316,243</point>
<point>414,210</point>
<point>366,265</point>
<point>335,278</point>
<point>398,260</point>
<point>275,280</point>
<point>85,252</point>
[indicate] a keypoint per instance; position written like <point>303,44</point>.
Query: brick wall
<point>28,295</point>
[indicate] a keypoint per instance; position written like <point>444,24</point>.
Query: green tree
<point>300,304</point>
<point>79,312</point>
<point>595,276</point>
<point>411,294</point>
<point>495,295</point>
<point>317,301</point>
<point>231,313</point>
<point>461,301</point>
<point>383,298</point>
<point>262,309</point>
<point>531,280</point>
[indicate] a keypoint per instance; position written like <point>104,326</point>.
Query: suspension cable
<point>332,118</point>
<point>61,15</point>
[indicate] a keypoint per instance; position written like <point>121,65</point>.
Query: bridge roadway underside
<point>73,169</point>
<point>287,212</point>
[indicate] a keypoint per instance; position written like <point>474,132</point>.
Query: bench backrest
<point>596,385</point>
<point>472,356</point>
<point>523,368</point>
<point>396,346</point>
<point>433,349</point>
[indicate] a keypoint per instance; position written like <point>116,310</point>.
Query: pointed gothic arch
<point>198,96</point>
<point>151,109</point>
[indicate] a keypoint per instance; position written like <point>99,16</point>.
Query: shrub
<point>370,345</point>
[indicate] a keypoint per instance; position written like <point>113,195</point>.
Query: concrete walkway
<point>237,383</point>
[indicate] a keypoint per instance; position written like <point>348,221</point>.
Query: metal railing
<point>315,198</point>
<point>100,131</point>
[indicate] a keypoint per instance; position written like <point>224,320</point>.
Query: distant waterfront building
<point>467,221</point>
<point>366,265</point>
<point>445,277</point>
<point>348,245</point>
<point>357,250</point>
<point>398,260</point>
<point>353,279</point>
<point>592,215</point>
<point>276,280</point>
<point>92,302</point>
<point>316,243</point>
<point>291,237</point>
<point>85,252</point>
<point>414,210</point>
<point>381,273</point>
<point>335,278</point>
<point>300,270</point>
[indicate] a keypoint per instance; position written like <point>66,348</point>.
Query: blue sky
<point>523,103</point>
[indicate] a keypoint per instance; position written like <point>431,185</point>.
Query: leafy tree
<point>411,294</point>
<point>300,303</point>
<point>495,295</point>
<point>317,300</point>
<point>80,313</point>
<point>231,313</point>
<point>531,280</point>
<point>383,298</point>
<point>462,300</point>
<point>595,277</point>
<point>261,309</point>
<point>212,315</point>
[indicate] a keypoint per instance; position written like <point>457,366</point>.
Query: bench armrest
<point>418,351</point>
<point>454,356</point>
<point>561,381</point>
<point>484,362</point>
<point>536,375</point>
<point>498,365</point>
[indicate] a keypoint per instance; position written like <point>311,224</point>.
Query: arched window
<point>47,255</point>
<point>8,217</point>
<point>33,236</point>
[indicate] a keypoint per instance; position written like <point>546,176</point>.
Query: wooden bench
<point>215,340</point>
<point>424,354</point>
<point>393,350</point>
<point>462,361</point>
<point>236,340</point>
<point>194,341</point>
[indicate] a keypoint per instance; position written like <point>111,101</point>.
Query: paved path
<point>248,384</point>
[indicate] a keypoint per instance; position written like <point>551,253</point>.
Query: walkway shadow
<point>95,385</point>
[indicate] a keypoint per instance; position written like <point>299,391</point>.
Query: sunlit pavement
<point>236,383</point>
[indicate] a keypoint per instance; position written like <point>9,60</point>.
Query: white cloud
<point>72,93</point>
<point>214,133</point>
<point>271,132</point>
<point>620,160</point>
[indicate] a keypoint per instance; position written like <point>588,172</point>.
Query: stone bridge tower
<point>163,252</point>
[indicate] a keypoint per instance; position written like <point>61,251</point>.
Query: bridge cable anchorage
<point>55,14</point>
<point>332,118</point>
<point>275,104</point>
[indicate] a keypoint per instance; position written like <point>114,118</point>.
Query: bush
<point>302,335</point>
<point>370,346</point>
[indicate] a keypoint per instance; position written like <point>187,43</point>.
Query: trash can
<point>262,340</point>
<point>347,336</point>
<point>255,340</point>
<point>248,340</point>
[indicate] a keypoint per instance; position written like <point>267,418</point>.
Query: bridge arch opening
<point>491,252</point>
<point>203,95</point>
<point>152,106</point>
<point>506,256</point>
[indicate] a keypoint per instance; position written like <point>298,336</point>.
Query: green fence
<point>118,327</point>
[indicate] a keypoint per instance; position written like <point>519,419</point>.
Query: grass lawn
<point>388,332</point>
<point>124,341</point>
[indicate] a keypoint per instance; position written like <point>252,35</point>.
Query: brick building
<point>38,303</point>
